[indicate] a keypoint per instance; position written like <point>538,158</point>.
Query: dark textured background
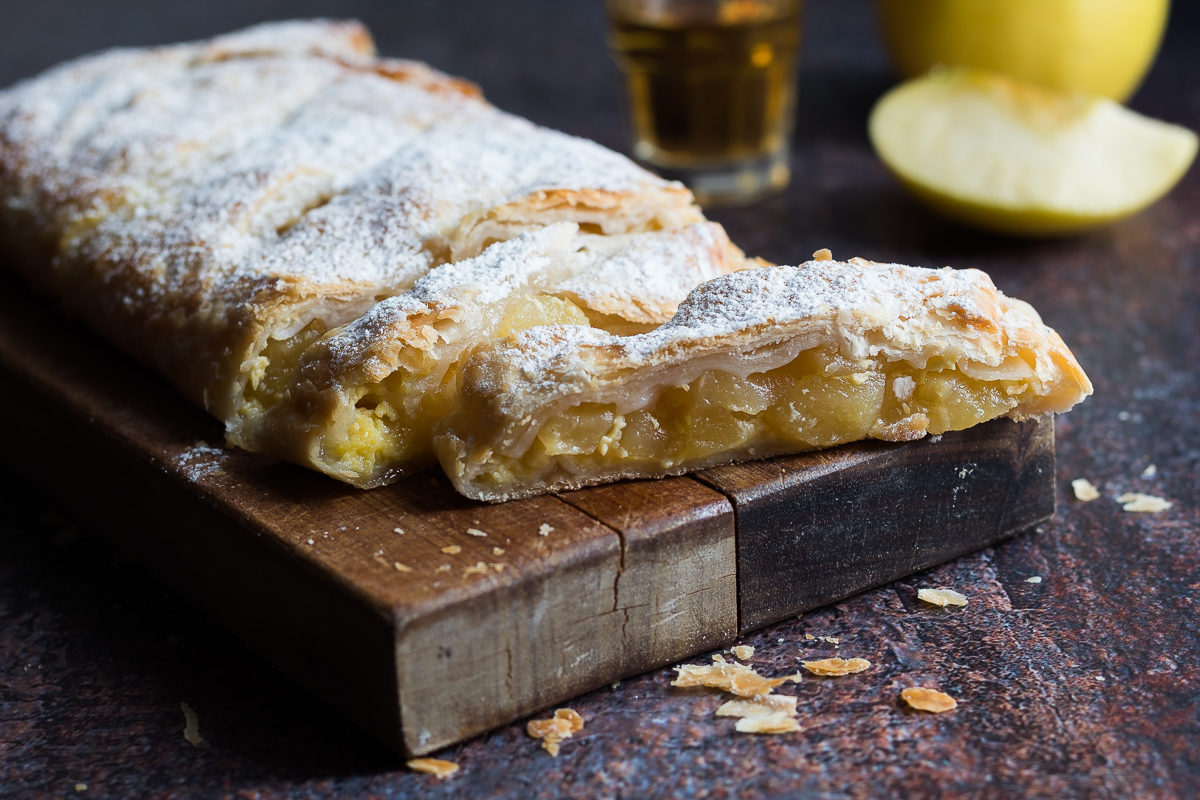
<point>1085,685</point>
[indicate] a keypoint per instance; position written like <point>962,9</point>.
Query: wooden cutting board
<point>562,595</point>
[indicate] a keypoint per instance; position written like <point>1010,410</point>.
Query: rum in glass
<point>712,90</point>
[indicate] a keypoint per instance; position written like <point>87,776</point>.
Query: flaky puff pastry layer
<point>753,364</point>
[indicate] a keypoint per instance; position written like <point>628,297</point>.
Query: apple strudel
<point>360,265</point>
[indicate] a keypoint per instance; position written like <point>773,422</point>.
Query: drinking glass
<point>712,90</point>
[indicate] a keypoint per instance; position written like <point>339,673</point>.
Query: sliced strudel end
<point>754,364</point>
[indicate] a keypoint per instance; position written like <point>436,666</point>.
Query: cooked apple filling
<point>274,367</point>
<point>819,399</point>
<point>394,419</point>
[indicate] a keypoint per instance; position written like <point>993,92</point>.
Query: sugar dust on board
<point>709,83</point>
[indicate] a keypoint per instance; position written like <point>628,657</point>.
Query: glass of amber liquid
<point>712,90</point>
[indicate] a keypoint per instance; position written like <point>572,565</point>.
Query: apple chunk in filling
<point>819,399</point>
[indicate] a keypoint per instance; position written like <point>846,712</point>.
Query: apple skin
<point>1100,47</point>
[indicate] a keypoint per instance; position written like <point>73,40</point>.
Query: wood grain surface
<point>1083,684</point>
<point>822,526</point>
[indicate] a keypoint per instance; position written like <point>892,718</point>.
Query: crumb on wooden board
<point>942,597</point>
<point>565,723</point>
<point>930,700</point>
<point>835,667</point>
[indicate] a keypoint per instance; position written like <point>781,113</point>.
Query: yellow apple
<point>1018,158</point>
<point>1102,47</point>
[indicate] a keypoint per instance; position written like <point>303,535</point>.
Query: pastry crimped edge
<point>755,320</point>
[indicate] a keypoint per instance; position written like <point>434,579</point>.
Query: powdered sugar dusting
<point>472,283</point>
<point>618,275</point>
<point>900,303</point>
<point>201,460</point>
<point>497,272</point>
<point>646,280</point>
<point>778,295</point>
<point>232,210</point>
<point>208,156</point>
<point>390,229</point>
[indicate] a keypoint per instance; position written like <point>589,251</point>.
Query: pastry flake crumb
<point>743,652</point>
<point>398,530</point>
<point>433,766</point>
<point>400,567</point>
<point>191,727</point>
<point>545,530</point>
<point>752,684</point>
<point>930,700</point>
<point>719,658</point>
<point>480,568</point>
<point>1084,490</point>
<point>763,714</point>
<point>475,532</point>
<point>778,722</point>
<point>81,787</point>
<point>1143,503</point>
<point>759,706</point>
<point>728,676</point>
<point>1034,579</point>
<point>565,723</point>
<point>452,550</point>
<point>497,551</point>
<point>832,667</point>
<point>809,637</point>
<point>824,254</point>
<point>498,567</point>
<point>942,597</point>
<point>443,568</point>
<point>1150,471</point>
